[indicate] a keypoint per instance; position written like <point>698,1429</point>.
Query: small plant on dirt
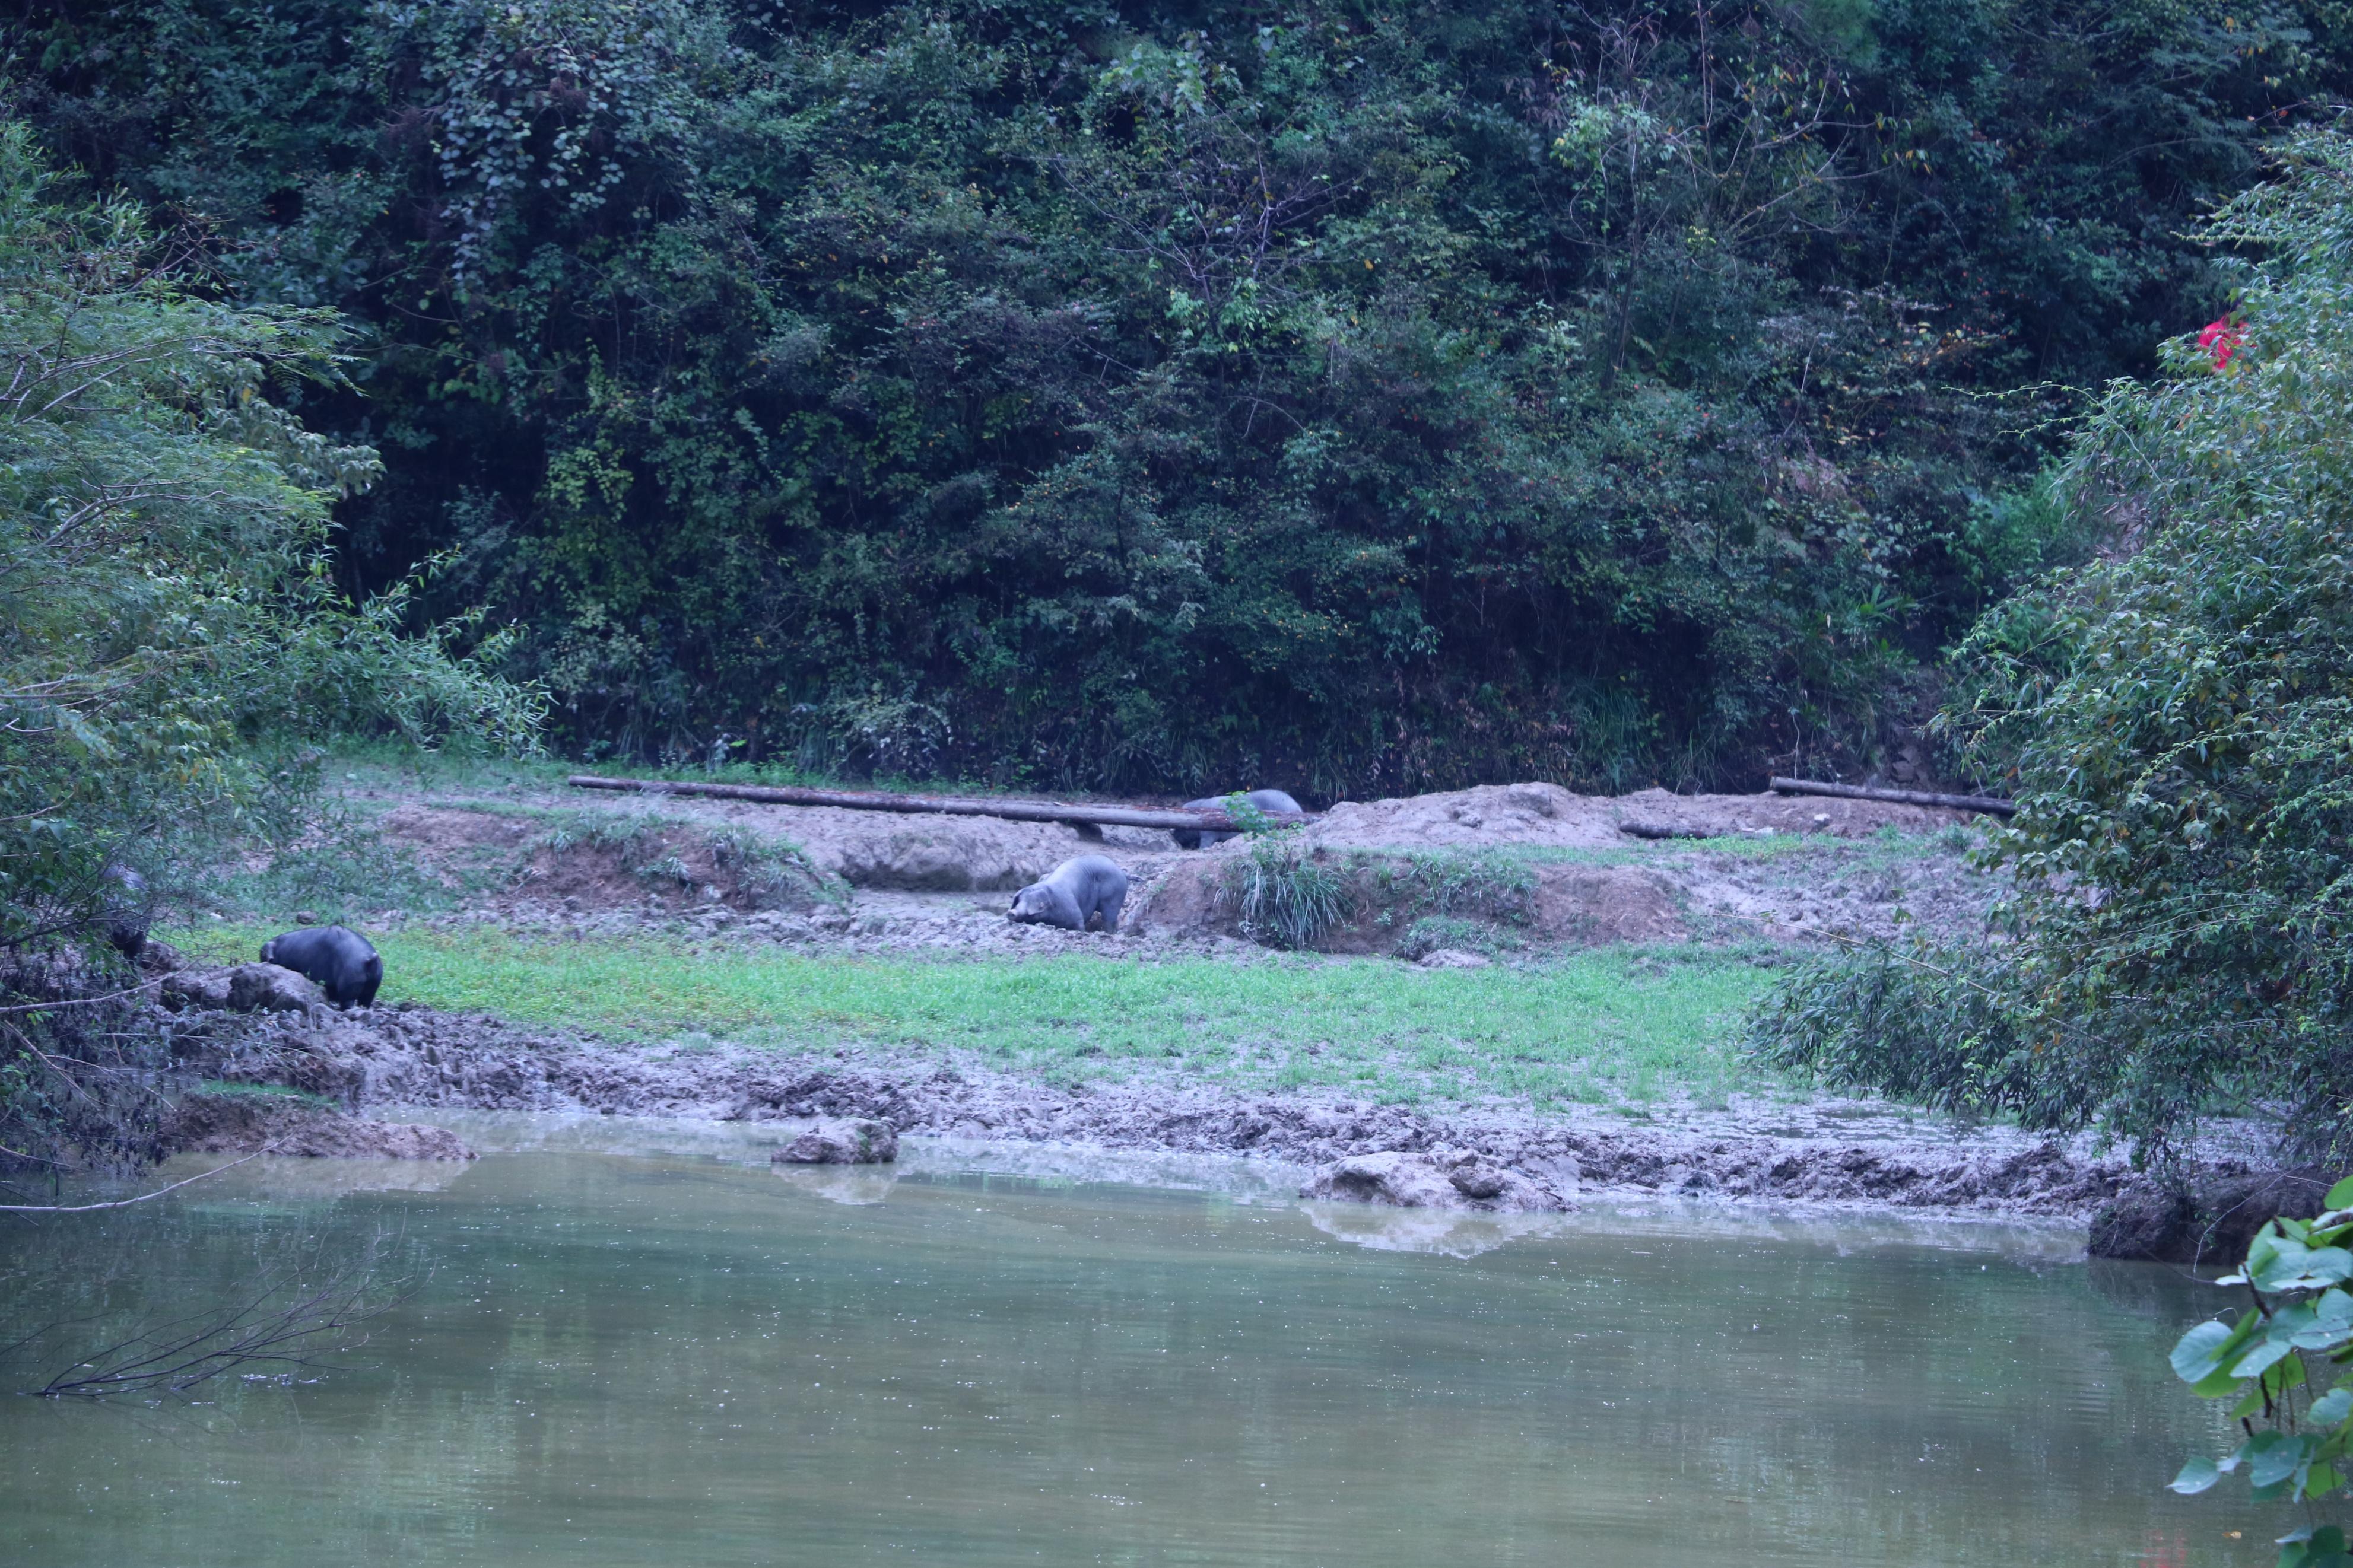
<point>1247,816</point>
<point>1482,883</point>
<point>1284,895</point>
<point>669,869</point>
<point>1432,932</point>
<point>774,872</point>
<point>633,840</point>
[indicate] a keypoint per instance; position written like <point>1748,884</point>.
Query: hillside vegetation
<point>1153,397</point>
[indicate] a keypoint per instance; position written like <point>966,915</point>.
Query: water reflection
<point>639,1359</point>
<point>852,1184</point>
<point>1446,1232</point>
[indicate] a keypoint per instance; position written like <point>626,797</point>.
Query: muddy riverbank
<point>1838,1153</point>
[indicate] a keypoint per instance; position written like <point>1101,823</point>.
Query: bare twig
<point>80,1001</point>
<point>184,1353</point>
<point>126,1203</point>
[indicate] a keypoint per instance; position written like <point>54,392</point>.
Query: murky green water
<point>681,1360</point>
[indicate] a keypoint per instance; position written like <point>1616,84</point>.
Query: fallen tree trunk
<point>1990,804</point>
<point>945,806</point>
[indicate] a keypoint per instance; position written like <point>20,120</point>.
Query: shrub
<point>1282,894</point>
<point>2177,723</point>
<point>169,636</point>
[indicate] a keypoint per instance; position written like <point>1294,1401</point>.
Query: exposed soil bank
<point>263,1123</point>
<point>1842,1154</point>
<point>1497,868</point>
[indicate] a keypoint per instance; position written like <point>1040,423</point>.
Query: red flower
<point>2221,338</point>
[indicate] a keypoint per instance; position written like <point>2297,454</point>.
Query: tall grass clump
<point>1284,895</point>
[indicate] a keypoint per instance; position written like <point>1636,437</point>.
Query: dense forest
<point>1154,397</point>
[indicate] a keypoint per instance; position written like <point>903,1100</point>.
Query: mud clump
<point>1496,869</point>
<point>849,1141</point>
<point>1545,813</point>
<point>280,1124</point>
<point>612,860</point>
<point>240,988</point>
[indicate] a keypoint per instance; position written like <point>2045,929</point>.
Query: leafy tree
<point>2176,721</point>
<point>168,625</point>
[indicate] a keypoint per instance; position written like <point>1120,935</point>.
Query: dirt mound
<point>1440,1179</point>
<point>1594,905</point>
<point>2210,1222</point>
<point>593,861</point>
<point>1409,908</point>
<point>743,856</point>
<point>1546,813</point>
<point>1492,871</point>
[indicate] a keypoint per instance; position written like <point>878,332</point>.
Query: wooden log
<point>944,806</point>
<point>1645,829</point>
<point>1990,804</point>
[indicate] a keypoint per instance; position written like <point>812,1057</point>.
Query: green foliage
<point>1116,398</point>
<point>163,583</point>
<point>1924,1023</point>
<point>169,636</point>
<point>1284,895</point>
<point>2299,1443</point>
<point>1495,885</point>
<point>774,871</point>
<point>2177,724</point>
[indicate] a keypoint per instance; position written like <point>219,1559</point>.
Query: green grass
<point>1597,1027</point>
<point>1886,847</point>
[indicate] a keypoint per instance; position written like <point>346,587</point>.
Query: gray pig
<point>1072,894</point>
<point>1195,839</point>
<point>343,963</point>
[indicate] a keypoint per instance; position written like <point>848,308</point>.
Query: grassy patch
<point>1888,846</point>
<point>1595,1027</point>
<point>346,871</point>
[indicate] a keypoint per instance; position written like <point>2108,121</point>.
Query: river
<point>663,1351</point>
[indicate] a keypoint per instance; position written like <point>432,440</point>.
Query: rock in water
<point>1442,1179</point>
<point>849,1141</point>
<point>2146,1220</point>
